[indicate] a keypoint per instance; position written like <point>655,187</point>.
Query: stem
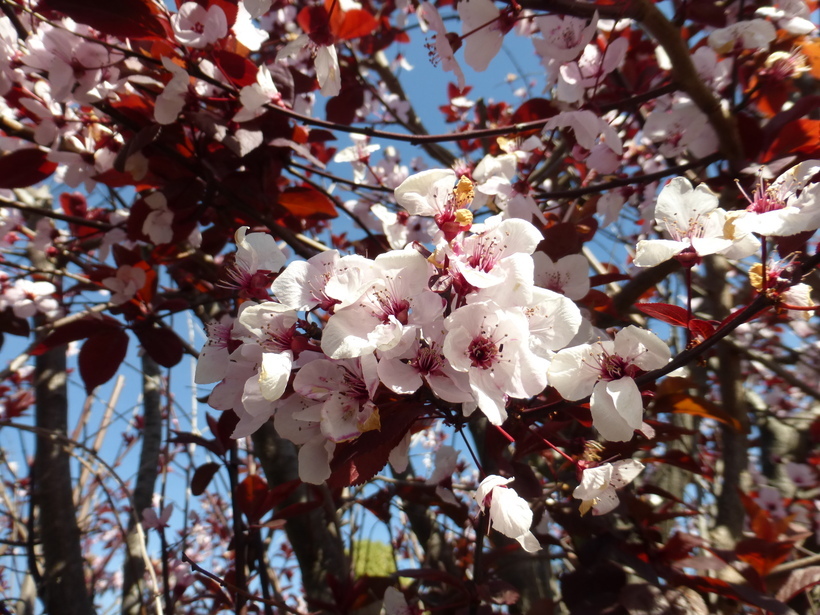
<point>688,304</point>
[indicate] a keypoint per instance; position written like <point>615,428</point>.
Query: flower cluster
<point>330,346</point>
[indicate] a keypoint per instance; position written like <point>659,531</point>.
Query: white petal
<point>616,409</point>
<point>274,373</point>
<point>651,252</point>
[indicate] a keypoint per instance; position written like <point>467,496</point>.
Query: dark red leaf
<point>123,18</point>
<point>226,425</point>
<point>342,109</point>
<point>76,330</point>
<point>101,357</point>
<point>239,70</point>
<point>9,323</point>
<point>297,510</point>
<point>305,202</point>
<point>161,344</point>
<point>801,136</point>
<point>190,438</point>
<point>74,204</point>
<point>202,477</point>
<point>254,497</point>
<point>670,314</point>
<point>25,167</point>
<point>701,329</point>
<point>355,24</point>
<point>359,460</point>
<point>735,592</point>
<point>534,109</point>
<point>280,493</point>
<point>763,555</point>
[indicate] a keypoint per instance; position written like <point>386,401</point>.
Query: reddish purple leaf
<point>162,345</point>
<point>202,477</point>
<point>239,70</point>
<point>607,278</point>
<point>189,438</point>
<point>76,330</point>
<point>101,357</point>
<point>25,167</point>
<point>701,328</point>
<point>670,314</point>
<point>124,18</point>
<point>254,497</point>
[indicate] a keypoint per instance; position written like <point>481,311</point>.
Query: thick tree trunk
<point>730,512</point>
<point>134,565</point>
<point>63,589</point>
<point>313,536</point>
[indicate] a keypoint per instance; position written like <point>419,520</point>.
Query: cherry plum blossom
<point>344,390</point>
<point>197,27</point>
<point>397,297</point>
<point>599,485</point>
<point>509,513</point>
<point>441,50</point>
<point>696,227</point>
<point>607,370</point>
<point>125,284</point>
<point>491,345</point>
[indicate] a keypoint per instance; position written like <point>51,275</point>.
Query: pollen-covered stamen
<point>483,352</point>
<point>615,367</point>
<point>387,304</point>
<point>278,340</point>
<point>693,229</point>
<point>783,65</point>
<point>248,284</point>
<point>486,254</point>
<point>764,200</point>
<point>356,387</point>
<point>428,360</point>
<point>318,294</point>
<point>219,334</point>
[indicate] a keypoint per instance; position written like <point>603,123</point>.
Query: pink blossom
<point>491,345</point>
<point>158,223</point>
<point>564,38</point>
<point>509,513</point>
<point>375,315</point>
<point>441,49</point>
<point>150,519</point>
<point>257,257</point>
<point>254,97</point>
<point>408,366</point>
<point>483,32</point>
<point>568,276</point>
<point>344,390</point>
<point>27,298</point>
<point>693,221</point>
<point>599,485</point>
<point>753,34</point>
<point>196,27</point>
<point>607,371</point>
<point>326,62</point>
<point>212,365</point>
<point>125,284</point>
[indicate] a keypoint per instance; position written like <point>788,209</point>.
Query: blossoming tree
<point>559,356</point>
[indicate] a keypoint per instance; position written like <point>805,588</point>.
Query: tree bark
<point>313,536</point>
<point>134,565</point>
<point>730,511</point>
<point>63,589</point>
